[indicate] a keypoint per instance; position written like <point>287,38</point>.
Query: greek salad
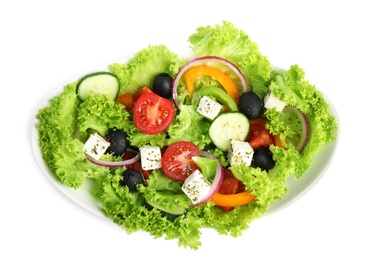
<point>175,144</point>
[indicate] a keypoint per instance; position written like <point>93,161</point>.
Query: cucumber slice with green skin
<point>229,126</point>
<point>98,83</point>
<point>172,211</point>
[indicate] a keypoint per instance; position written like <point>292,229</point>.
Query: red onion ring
<point>305,127</point>
<point>197,61</point>
<point>217,179</point>
<point>114,164</point>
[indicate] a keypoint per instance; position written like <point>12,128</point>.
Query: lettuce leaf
<point>100,113</point>
<point>226,41</point>
<point>190,126</point>
<point>127,209</point>
<point>292,88</point>
<point>61,150</point>
<point>140,70</point>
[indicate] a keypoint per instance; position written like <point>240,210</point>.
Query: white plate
<point>296,188</point>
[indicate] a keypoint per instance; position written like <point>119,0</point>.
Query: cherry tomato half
<point>152,113</point>
<point>177,160</point>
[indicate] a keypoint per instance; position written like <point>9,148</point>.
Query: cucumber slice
<point>172,211</point>
<point>98,83</point>
<point>229,126</point>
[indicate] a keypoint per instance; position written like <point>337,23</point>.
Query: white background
<point>343,47</point>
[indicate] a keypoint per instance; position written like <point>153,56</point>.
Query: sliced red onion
<point>198,61</point>
<point>109,164</point>
<point>217,179</point>
<point>305,127</point>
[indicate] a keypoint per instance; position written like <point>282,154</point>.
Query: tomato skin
<point>153,114</point>
<point>142,91</point>
<point>259,136</point>
<point>230,185</point>
<point>177,161</point>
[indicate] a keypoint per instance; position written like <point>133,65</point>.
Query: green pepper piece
<point>218,94</point>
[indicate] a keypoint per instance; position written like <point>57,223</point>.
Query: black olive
<point>262,158</point>
<point>118,142</point>
<point>131,178</point>
<point>162,85</point>
<point>251,105</point>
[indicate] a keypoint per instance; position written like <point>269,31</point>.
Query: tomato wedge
<point>259,136</point>
<point>177,161</point>
<point>230,185</point>
<point>152,113</point>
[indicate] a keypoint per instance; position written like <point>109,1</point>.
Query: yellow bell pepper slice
<point>203,70</point>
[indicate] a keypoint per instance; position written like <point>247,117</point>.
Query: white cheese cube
<point>150,157</point>
<point>240,152</point>
<point>196,186</point>
<point>271,101</point>
<point>95,146</point>
<point>208,107</point>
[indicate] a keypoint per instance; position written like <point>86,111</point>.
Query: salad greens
<point>66,122</point>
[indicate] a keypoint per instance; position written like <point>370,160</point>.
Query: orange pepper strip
<point>232,200</point>
<point>203,70</point>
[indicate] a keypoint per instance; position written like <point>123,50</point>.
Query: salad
<point>175,144</point>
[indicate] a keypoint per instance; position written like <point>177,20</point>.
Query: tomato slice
<point>177,160</point>
<point>230,185</point>
<point>152,113</point>
<point>259,136</point>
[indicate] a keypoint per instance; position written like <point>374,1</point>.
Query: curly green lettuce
<point>128,210</point>
<point>292,88</point>
<point>98,113</point>
<point>227,41</point>
<point>60,149</point>
<point>191,126</point>
<point>140,70</point>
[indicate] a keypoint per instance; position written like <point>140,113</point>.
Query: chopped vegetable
<point>127,100</point>
<point>152,113</point>
<point>227,127</point>
<point>233,200</point>
<point>193,73</point>
<point>98,83</point>
<point>198,71</point>
<point>219,94</point>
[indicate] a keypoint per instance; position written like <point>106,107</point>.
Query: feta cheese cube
<point>240,152</point>
<point>196,186</point>
<point>96,146</point>
<point>208,107</point>
<point>150,157</point>
<point>271,101</point>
